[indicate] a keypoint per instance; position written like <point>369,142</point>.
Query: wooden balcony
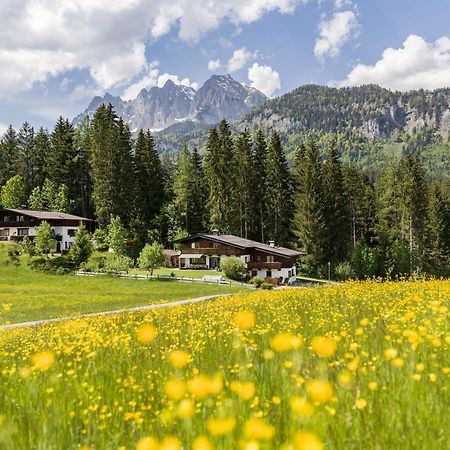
<point>211,251</point>
<point>264,265</point>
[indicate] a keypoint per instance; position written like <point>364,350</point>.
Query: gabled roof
<point>46,215</point>
<point>238,242</point>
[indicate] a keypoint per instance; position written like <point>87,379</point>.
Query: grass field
<point>29,295</point>
<point>356,366</point>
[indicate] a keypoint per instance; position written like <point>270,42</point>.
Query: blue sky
<point>55,55</point>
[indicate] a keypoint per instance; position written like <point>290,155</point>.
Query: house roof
<point>46,215</point>
<point>170,252</point>
<point>236,241</point>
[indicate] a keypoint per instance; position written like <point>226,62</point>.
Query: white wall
<point>65,242</point>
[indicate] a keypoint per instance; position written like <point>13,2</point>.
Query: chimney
<point>272,243</point>
<point>215,232</point>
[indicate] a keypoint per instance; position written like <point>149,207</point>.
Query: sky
<point>56,55</point>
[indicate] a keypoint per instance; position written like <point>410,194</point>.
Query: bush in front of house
<point>151,257</point>
<point>101,240</point>
<point>118,264</point>
<point>233,268</point>
<point>266,286</point>
<point>257,281</point>
<point>61,265</point>
<point>82,247</point>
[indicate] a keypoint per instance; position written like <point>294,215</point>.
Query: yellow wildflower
<point>306,440</point>
<point>323,346</point>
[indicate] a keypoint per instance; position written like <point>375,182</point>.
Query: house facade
<point>15,224</point>
<point>207,251</point>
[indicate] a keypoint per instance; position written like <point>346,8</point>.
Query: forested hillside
<point>394,222</point>
<point>372,126</point>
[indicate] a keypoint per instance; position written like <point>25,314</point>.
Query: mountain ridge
<point>220,97</point>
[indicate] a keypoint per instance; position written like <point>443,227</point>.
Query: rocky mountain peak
<point>220,97</point>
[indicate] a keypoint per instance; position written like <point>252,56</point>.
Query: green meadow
<point>27,295</point>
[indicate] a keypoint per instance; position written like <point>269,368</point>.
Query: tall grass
<point>358,366</point>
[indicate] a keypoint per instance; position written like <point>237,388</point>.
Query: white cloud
<point>154,78</point>
<point>213,65</point>
<point>264,78</point>
<point>239,59</point>
<point>339,4</point>
<point>44,38</point>
<point>418,64</point>
<point>334,33</point>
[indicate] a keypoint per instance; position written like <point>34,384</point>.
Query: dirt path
<point>36,323</point>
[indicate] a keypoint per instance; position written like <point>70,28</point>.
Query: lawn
<point>29,295</point>
<point>184,273</point>
<point>354,366</point>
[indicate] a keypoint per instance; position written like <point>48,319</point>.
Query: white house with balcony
<point>15,224</point>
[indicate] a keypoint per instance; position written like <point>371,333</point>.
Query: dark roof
<point>236,241</point>
<point>46,215</point>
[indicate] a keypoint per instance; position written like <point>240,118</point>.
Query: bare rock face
<point>220,97</point>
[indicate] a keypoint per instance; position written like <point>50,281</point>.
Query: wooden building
<point>207,251</point>
<point>15,224</point>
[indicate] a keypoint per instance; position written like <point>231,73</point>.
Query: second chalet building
<point>206,251</point>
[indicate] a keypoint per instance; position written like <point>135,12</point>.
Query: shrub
<point>44,241</point>
<point>151,257</point>
<point>233,268</point>
<point>266,286</point>
<point>117,236</point>
<point>257,281</point>
<point>82,247</point>
<point>101,240</point>
<point>28,246</point>
<point>118,264</point>
<point>344,271</point>
<point>365,261</point>
<point>61,265</point>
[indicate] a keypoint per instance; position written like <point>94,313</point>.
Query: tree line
<point>395,224</point>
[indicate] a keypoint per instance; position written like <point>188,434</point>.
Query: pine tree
<point>111,163</point>
<point>41,151</point>
<point>149,186</point>
<point>361,206</point>
<point>197,196</point>
<point>60,161</point>
<point>244,183</point>
<point>8,155</point>
<point>259,186</point>
<point>279,198</point>
<point>82,142</point>
<point>309,221</point>
<point>181,184</point>
<point>213,176</point>
<point>25,163</point>
<point>337,217</point>
<point>413,206</point>
<point>82,248</point>
<point>439,231</point>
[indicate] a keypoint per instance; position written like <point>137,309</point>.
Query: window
<point>215,245</point>
<point>7,219</point>
<point>20,218</point>
<point>270,258</point>
<point>289,273</point>
<point>269,274</point>
<point>22,232</point>
<point>4,232</point>
<point>195,245</point>
<point>72,232</point>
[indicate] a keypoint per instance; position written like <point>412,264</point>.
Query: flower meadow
<point>356,366</point>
